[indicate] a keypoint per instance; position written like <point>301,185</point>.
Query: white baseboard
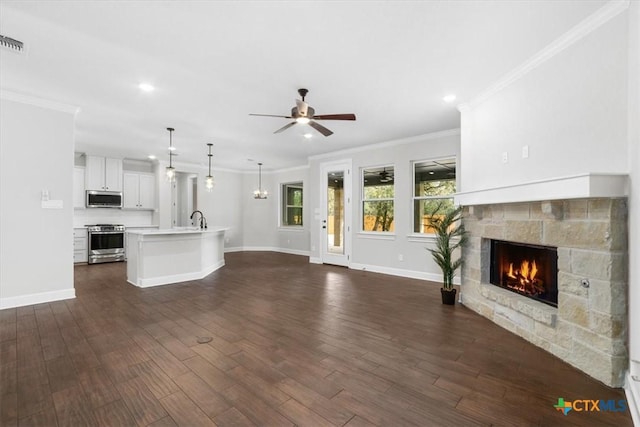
<point>267,249</point>
<point>412,274</point>
<point>632,390</point>
<point>31,299</point>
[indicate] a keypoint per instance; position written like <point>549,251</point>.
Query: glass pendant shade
<point>209,181</point>
<point>171,171</point>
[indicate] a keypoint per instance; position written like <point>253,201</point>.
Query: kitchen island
<point>161,257</point>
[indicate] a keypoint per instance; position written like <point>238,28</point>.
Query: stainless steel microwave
<point>104,199</point>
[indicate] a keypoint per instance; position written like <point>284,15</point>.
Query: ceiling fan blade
<point>303,108</point>
<point>335,117</point>
<point>323,130</point>
<point>285,127</point>
<point>271,115</point>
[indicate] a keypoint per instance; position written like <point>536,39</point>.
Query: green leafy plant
<point>450,235</point>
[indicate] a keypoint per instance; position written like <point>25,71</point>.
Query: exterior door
<point>335,227</point>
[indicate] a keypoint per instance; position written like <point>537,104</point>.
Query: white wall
<point>292,239</point>
<point>221,207</point>
<point>569,110</point>
<point>368,251</point>
<point>634,198</point>
<point>579,113</point>
<point>36,244</point>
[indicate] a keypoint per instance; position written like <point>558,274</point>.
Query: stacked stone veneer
<point>588,328</point>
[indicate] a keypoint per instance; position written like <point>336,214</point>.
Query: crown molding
<point>387,144</point>
<point>38,102</point>
<point>578,32</point>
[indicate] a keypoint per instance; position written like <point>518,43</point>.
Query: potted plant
<point>450,235</point>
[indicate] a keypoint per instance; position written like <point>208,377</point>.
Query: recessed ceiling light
<point>151,156</point>
<point>431,173</point>
<point>449,98</point>
<point>146,87</point>
<point>308,135</point>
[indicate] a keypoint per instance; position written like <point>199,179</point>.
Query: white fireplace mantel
<point>588,185</point>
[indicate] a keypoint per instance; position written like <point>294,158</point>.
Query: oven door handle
<point>106,232</point>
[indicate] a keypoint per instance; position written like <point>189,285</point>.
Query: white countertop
<point>185,230</point>
<point>78,227</point>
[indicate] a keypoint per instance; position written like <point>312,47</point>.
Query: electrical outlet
<point>505,157</point>
<point>525,151</point>
<point>400,257</point>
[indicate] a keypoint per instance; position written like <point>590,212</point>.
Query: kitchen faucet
<point>203,221</point>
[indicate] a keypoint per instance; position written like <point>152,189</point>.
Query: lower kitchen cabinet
<point>80,245</point>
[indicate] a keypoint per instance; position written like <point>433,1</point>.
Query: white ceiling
<point>213,63</point>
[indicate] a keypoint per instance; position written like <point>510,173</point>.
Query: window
<point>377,199</point>
<point>292,204</point>
<point>434,185</point>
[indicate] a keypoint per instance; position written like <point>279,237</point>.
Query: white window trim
<point>362,231</point>
<point>415,236</point>
<point>281,196</point>
<point>376,235</point>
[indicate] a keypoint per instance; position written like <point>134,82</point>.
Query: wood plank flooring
<point>292,344</point>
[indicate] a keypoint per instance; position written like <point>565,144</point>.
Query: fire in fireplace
<point>530,270</point>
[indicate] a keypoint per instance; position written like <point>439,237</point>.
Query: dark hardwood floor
<point>291,344</point>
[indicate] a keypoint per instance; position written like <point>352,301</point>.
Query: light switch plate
<point>525,151</point>
<point>505,157</point>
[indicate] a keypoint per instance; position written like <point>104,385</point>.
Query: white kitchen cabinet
<point>80,245</point>
<point>103,174</point>
<point>78,188</point>
<point>139,191</point>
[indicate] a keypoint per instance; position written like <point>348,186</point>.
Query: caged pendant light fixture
<point>209,181</point>
<point>171,171</point>
<point>260,193</point>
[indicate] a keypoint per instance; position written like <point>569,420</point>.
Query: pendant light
<point>260,193</point>
<point>209,182</point>
<point>171,171</point>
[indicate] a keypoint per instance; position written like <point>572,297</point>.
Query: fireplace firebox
<point>529,270</point>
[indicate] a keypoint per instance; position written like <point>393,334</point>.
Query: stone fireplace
<point>586,324</point>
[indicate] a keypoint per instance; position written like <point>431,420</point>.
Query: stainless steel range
<point>106,243</point>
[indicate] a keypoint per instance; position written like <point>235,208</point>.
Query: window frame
<point>284,206</point>
<point>363,200</point>
<point>415,198</point>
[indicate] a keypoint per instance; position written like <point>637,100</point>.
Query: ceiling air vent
<point>9,43</point>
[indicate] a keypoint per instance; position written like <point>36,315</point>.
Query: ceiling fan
<point>305,114</point>
<point>380,176</point>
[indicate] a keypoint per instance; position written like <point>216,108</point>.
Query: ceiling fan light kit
<point>303,113</point>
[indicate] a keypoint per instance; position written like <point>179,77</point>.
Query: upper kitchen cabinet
<point>103,174</point>
<point>139,191</point>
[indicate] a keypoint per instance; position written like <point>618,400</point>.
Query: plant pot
<point>448,297</point>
